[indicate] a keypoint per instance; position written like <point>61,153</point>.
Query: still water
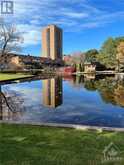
<point>88,100</point>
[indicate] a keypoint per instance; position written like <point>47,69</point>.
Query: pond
<point>95,100</point>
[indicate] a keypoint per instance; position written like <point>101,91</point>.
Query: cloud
<point>31,38</point>
<point>31,16</point>
<point>30,33</point>
<point>76,15</point>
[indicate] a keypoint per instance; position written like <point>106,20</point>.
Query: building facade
<point>20,62</point>
<point>89,67</point>
<point>52,42</point>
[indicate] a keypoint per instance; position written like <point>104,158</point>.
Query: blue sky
<point>85,23</point>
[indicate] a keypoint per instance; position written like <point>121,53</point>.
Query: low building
<point>89,67</point>
<point>67,70</point>
<point>19,62</point>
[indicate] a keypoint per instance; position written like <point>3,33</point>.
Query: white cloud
<point>31,16</point>
<point>31,38</point>
<point>30,33</point>
<point>76,14</point>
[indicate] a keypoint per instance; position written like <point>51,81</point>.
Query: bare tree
<point>9,38</point>
<point>78,57</point>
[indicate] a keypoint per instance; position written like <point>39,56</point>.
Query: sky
<point>86,24</point>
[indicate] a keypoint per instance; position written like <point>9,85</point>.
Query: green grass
<point>35,145</point>
<point>5,76</point>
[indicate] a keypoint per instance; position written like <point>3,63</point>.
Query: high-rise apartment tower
<point>52,42</point>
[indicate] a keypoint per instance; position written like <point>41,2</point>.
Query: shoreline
<point>15,79</point>
<point>72,126</point>
<point>98,73</point>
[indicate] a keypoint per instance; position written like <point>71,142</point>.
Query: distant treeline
<point>111,54</point>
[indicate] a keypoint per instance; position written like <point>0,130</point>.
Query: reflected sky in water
<point>90,100</point>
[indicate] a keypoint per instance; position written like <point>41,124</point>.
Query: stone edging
<point>74,126</point>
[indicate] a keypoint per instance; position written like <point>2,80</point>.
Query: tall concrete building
<point>52,42</point>
<point>52,92</point>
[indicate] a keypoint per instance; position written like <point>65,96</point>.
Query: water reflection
<point>89,99</point>
<point>89,77</point>
<point>10,106</point>
<point>52,92</point>
<point>110,88</point>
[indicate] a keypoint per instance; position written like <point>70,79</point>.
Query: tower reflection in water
<point>52,92</point>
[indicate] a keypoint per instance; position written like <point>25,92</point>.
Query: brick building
<point>52,42</point>
<point>14,61</point>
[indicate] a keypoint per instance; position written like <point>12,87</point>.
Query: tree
<point>91,55</point>
<point>120,54</point>
<point>78,59</point>
<point>108,52</point>
<point>9,38</point>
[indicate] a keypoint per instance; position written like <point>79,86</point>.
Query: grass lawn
<point>35,145</point>
<point>6,76</point>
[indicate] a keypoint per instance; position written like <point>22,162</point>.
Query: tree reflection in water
<point>110,87</point>
<point>10,105</point>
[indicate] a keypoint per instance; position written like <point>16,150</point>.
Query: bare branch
<point>10,38</point>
